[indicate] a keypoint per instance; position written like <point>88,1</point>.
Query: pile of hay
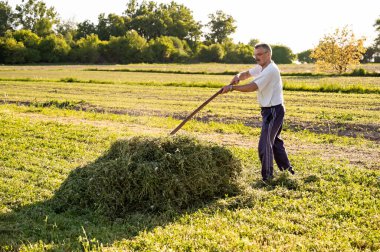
<point>158,174</point>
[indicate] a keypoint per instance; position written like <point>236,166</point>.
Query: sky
<point>298,24</point>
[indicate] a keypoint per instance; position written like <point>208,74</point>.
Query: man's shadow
<point>50,222</point>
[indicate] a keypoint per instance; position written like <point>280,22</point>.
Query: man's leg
<point>268,132</point>
<point>272,119</point>
<point>279,151</point>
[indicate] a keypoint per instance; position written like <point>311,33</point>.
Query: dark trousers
<point>270,144</point>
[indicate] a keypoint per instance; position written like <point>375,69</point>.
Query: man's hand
<point>227,89</point>
<point>235,80</point>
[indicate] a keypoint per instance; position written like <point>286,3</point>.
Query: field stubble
<point>49,128</point>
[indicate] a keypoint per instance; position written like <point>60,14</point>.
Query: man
<point>268,84</point>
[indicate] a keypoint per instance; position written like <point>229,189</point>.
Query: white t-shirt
<point>269,83</point>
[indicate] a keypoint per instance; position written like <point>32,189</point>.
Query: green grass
<point>54,119</point>
<point>356,72</point>
<point>202,67</point>
<point>332,88</point>
<point>327,205</point>
<point>348,114</point>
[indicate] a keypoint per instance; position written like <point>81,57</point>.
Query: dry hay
<point>151,174</point>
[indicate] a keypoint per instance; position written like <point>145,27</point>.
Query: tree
<point>253,42</point>
<point>339,51</point>
<point>161,49</point>
<point>31,42</point>
<point>146,20</point>
<point>182,50</point>
<point>34,15</point>
<point>85,28</point>
<point>282,54</point>
<point>238,53</point>
<point>6,17</point>
<point>377,40</point>
<point>113,25</point>
<point>87,49</point>
<point>179,22</point>
<point>368,55</point>
<point>376,45</point>
<point>221,26</point>
<point>11,51</point>
<point>68,29</point>
<point>304,57</point>
<point>152,21</point>
<point>212,53</point>
<point>126,49</point>
<point>53,49</point>
<point>131,10</point>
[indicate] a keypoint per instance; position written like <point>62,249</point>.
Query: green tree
<point>34,15</point>
<point>212,53</point>
<point>253,42</point>
<point>84,29</point>
<point>31,42</point>
<point>68,29</point>
<point>146,21</point>
<point>377,39</point>
<point>339,51</point>
<point>6,17</point>
<point>27,37</point>
<point>179,22</point>
<point>221,26</point>
<point>238,53</point>
<point>160,49</point>
<point>282,54</point>
<point>182,50</point>
<point>376,45</point>
<point>304,57</point>
<point>87,49</point>
<point>152,21</point>
<point>53,49</point>
<point>11,51</point>
<point>113,25</point>
<point>126,49</point>
<point>368,55</point>
<point>131,10</point>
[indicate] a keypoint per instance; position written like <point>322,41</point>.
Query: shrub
<point>53,49</point>
<point>238,53</point>
<point>359,72</point>
<point>87,49</point>
<point>212,53</point>
<point>11,51</point>
<point>27,37</point>
<point>166,49</point>
<point>282,54</point>
<point>126,49</point>
<point>150,174</point>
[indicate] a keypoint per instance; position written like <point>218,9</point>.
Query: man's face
<point>262,56</point>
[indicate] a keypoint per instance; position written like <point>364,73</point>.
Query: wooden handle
<point>195,111</point>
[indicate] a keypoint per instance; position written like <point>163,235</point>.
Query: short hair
<point>264,46</point>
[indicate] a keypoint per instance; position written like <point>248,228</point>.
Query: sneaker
<point>266,180</point>
<point>290,169</point>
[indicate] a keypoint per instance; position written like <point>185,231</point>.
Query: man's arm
<point>240,76</point>
<point>250,87</point>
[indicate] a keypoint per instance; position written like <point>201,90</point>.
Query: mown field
<point>54,119</point>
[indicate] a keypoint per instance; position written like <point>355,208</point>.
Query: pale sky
<point>298,24</point>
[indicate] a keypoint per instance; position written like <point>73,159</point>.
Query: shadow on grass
<point>76,219</point>
<point>39,223</point>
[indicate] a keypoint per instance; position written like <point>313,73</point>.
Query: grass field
<point>54,119</point>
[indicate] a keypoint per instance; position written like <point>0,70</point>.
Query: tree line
<point>145,32</point>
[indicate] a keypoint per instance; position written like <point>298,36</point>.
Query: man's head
<point>263,54</point>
